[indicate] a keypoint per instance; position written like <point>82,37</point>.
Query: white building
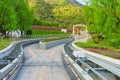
<point>16,33</point>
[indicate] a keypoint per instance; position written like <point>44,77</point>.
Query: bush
<point>115,43</point>
<point>44,23</point>
<point>46,32</point>
<point>29,32</point>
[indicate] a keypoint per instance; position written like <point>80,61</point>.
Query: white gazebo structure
<point>80,32</point>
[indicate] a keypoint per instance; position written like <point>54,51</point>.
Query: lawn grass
<point>4,43</point>
<point>91,44</point>
<point>112,56</point>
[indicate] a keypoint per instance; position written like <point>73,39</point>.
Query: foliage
<point>4,43</point>
<point>46,32</point>
<point>69,15</point>
<point>24,15</point>
<point>103,20</point>
<point>55,3</point>
<point>57,12</point>
<point>54,39</point>
<point>14,14</point>
<point>43,10</point>
<point>44,23</point>
<point>112,56</point>
<point>29,32</point>
<point>7,16</point>
<point>90,44</point>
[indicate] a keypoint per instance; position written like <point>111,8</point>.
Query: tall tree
<point>24,14</point>
<point>7,16</point>
<point>103,19</point>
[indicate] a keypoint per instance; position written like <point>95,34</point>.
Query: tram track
<point>51,61</point>
<point>91,67</point>
<point>12,58</point>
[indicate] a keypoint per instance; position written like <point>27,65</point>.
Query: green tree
<point>103,19</point>
<point>7,16</point>
<point>24,14</point>
<point>14,14</point>
<point>43,10</point>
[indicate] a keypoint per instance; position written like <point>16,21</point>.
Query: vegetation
<point>105,49</point>
<point>68,15</point>
<point>4,43</point>
<point>14,15</point>
<point>44,23</point>
<point>90,44</point>
<point>22,13</point>
<point>7,16</point>
<point>112,56</point>
<point>103,21</point>
<point>102,18</point>
<point>54,39</point>
<point>46,32</point>
<point>56,13</point>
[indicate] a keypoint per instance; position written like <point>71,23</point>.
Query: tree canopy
<point>103,20</point>
<point>68,15</point>
<point>7,16</point>
<point>60,12</point>
<point>14,14</point>
<point>23,14</point>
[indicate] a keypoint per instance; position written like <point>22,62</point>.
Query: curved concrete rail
<point>48,45</point>
<point>10,70</point>
<point>44,64</point>
<point>112,65</point>
<point>7,50</point>
<point>81,74</point>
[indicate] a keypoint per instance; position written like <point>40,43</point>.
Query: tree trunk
<point>2,30</point>
<point>94,39</point>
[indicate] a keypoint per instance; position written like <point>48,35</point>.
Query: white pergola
<point>80,32</point>
<point>77,29</point>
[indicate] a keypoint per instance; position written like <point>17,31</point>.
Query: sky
<point>81,1</point>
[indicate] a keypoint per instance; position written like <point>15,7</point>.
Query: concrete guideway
<point>112,66</point>
<point>43,64</point>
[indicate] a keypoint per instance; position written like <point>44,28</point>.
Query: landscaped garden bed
<point>54,39</point>
<point>101,48</point>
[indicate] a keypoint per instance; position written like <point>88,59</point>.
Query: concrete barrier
<point>48,45</point>
<point>10,70</point>
<point>77,70</point>
<point>112,65</point>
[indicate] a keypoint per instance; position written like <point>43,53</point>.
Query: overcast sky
<point>81,1</point>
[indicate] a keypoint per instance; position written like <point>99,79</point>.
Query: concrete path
<point>43,64</point>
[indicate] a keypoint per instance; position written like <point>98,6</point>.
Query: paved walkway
<point>43,64</point>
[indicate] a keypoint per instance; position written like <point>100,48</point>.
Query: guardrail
<point>75,68</point>
<point>110,64</point>
<point>8,72</point>
<point>12,66</point>
<point>90,64</point>
<point>7,50</point>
